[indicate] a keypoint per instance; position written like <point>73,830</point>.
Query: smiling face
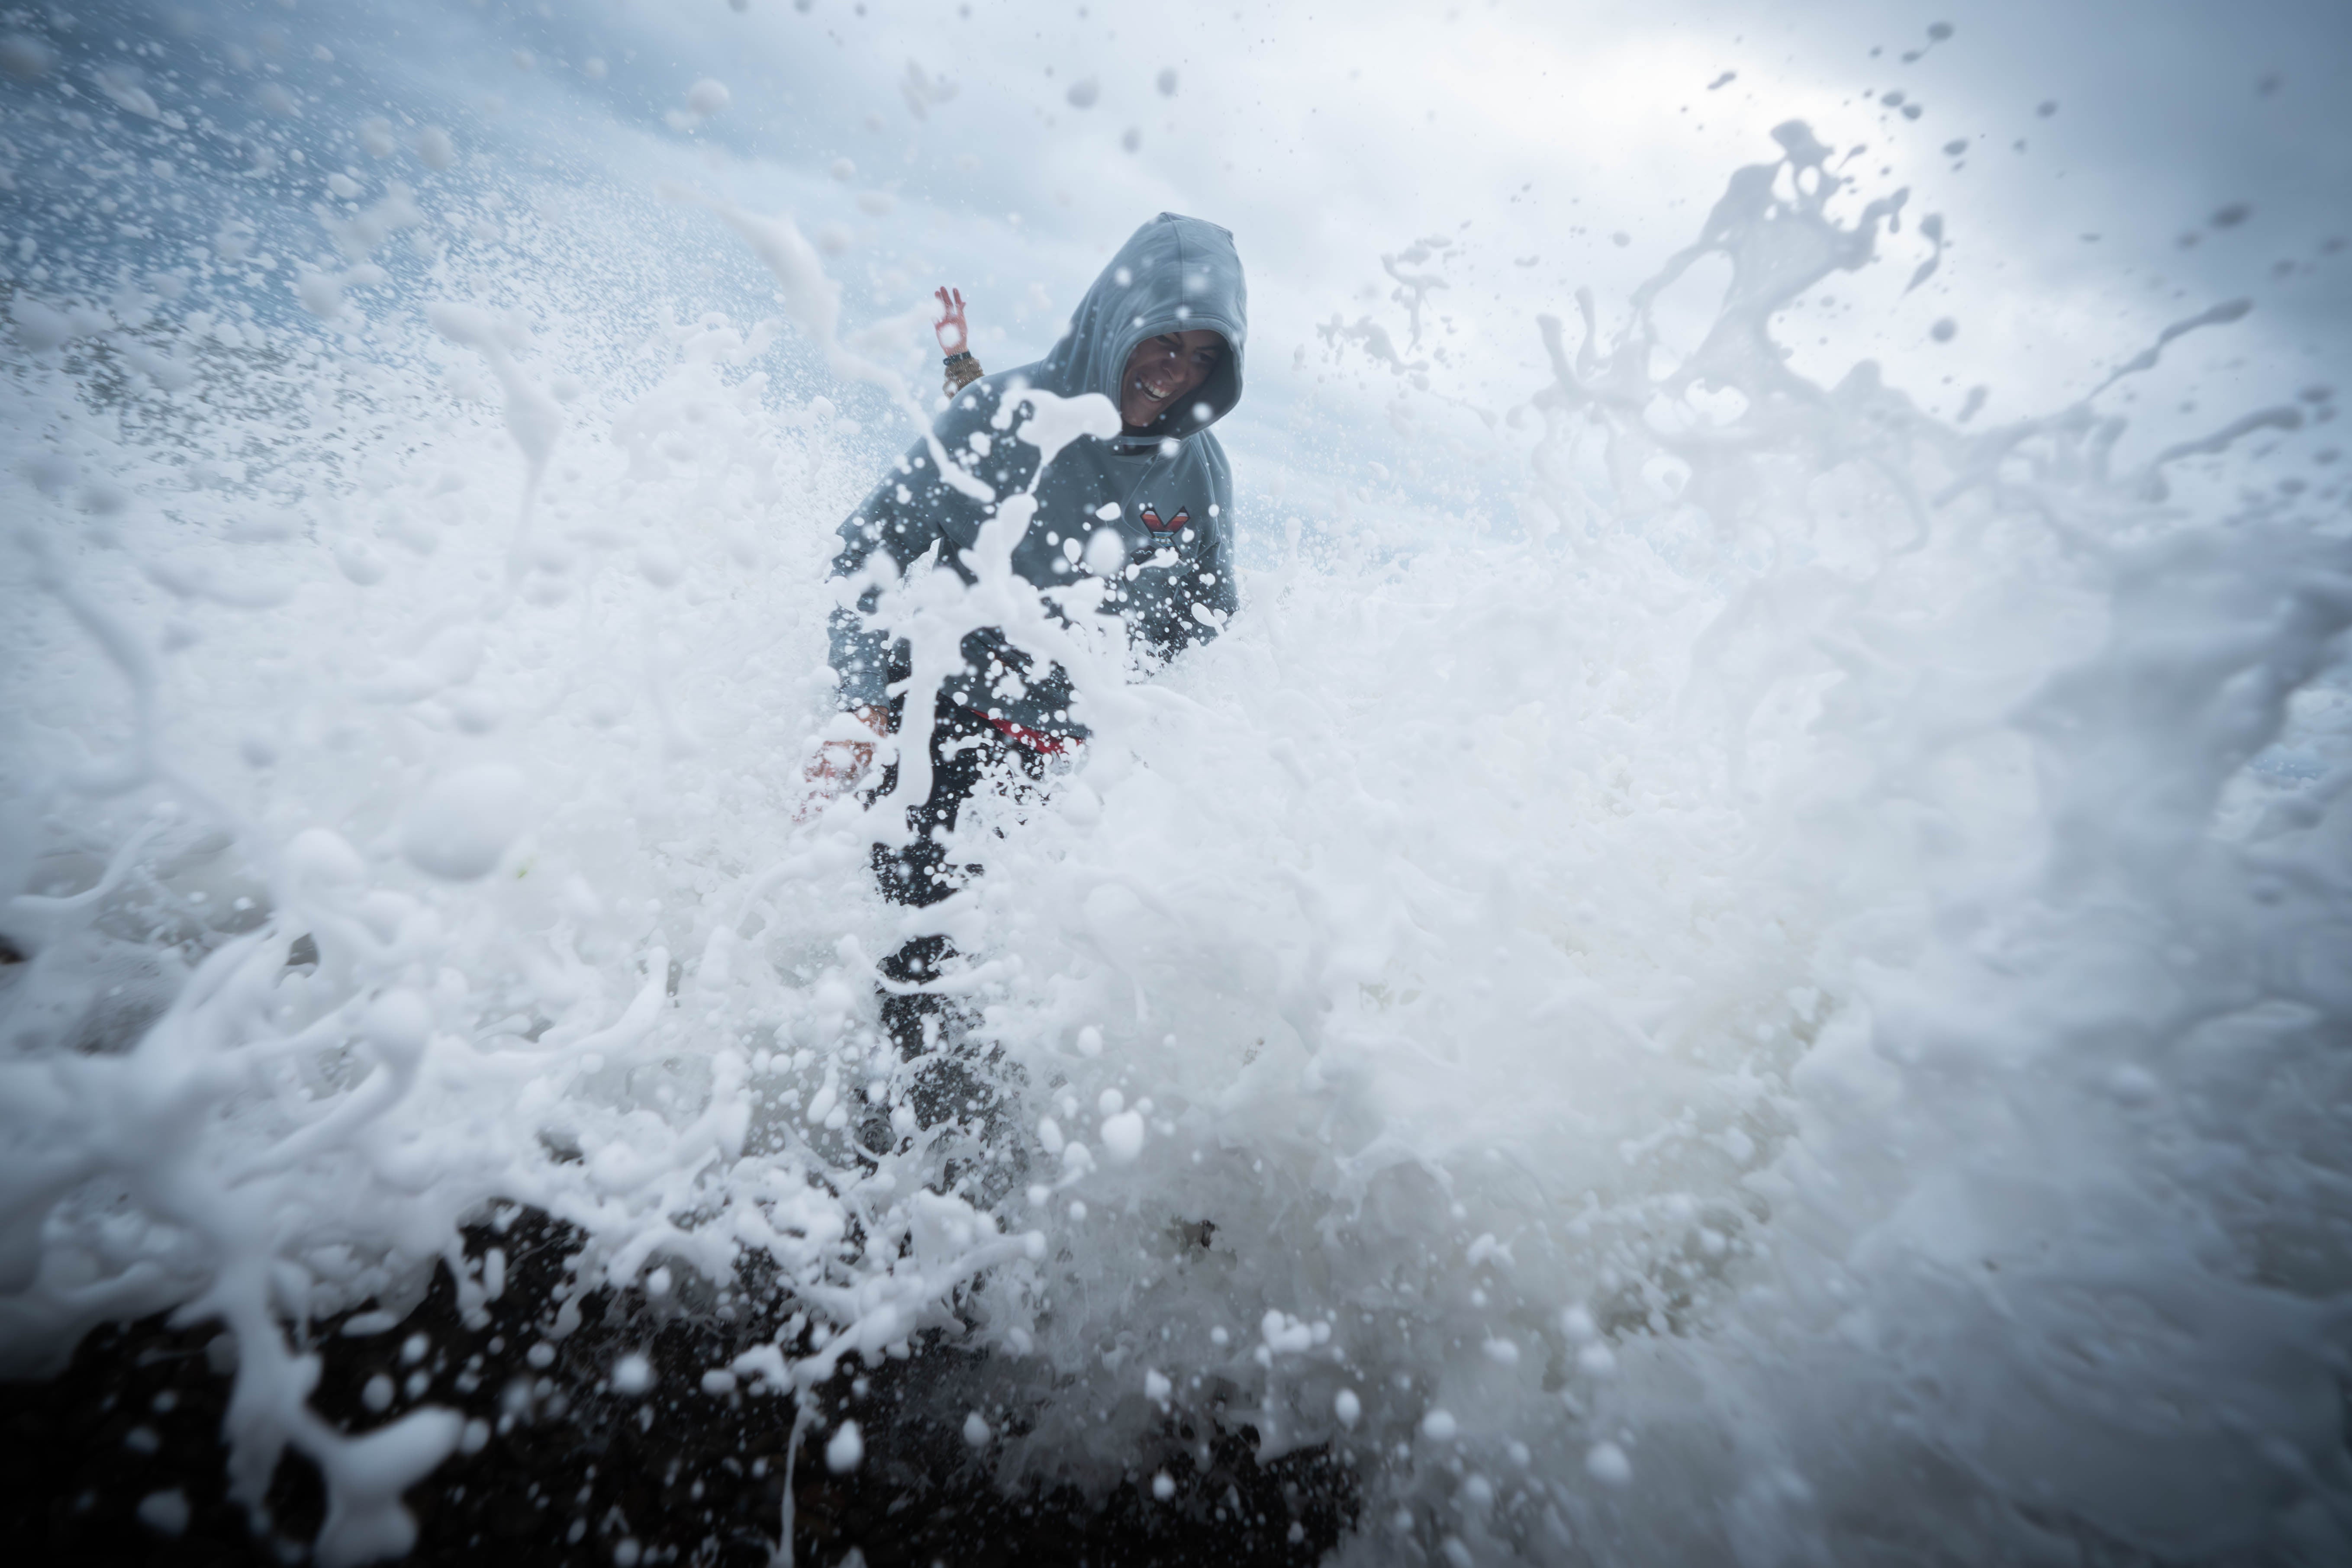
<point>1163,369</point>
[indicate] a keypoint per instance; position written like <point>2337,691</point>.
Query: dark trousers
<point>968,755</point>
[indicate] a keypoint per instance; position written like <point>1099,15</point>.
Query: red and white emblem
<point>1152,521</point>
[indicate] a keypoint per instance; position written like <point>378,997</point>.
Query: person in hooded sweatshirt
<point>1160,334</point>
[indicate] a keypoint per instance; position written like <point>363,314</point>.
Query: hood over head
<point>1174,274</point>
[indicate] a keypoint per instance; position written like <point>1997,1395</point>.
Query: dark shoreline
<point>688,1475</point>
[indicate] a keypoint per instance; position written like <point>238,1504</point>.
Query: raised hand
<point>953,337</point>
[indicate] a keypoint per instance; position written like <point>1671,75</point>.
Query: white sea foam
<point>1785,1003</point>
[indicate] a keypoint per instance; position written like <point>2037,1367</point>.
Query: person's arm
<point>903,518</point>
<point>1203,592</point>
<point>955,342</point>
<point>859,654</point>
<point>1209,583</point>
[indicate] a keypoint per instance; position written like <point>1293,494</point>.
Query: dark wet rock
<point>574,1467</point>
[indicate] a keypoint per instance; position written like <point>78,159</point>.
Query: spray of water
<point>1786,1004</point>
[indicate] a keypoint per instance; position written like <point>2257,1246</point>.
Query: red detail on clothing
<point>1152,521</point>
<point>1035,739</point>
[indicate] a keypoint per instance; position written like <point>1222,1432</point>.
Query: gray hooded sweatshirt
<point>1170,484</point>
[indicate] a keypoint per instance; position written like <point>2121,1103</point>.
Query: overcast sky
<point>2080,152</point>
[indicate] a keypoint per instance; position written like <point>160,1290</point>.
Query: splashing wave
<point>1786,1004</point>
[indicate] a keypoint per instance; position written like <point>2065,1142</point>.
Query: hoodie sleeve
<point>1210,586</point>
<point>860,655</point>
<point>1193,603</point>
<point>911,513</point>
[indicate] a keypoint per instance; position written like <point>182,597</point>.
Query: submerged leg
<point>951,1082</point>
<point>919,1023</point>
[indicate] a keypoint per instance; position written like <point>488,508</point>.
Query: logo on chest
<point>1153,520</point>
